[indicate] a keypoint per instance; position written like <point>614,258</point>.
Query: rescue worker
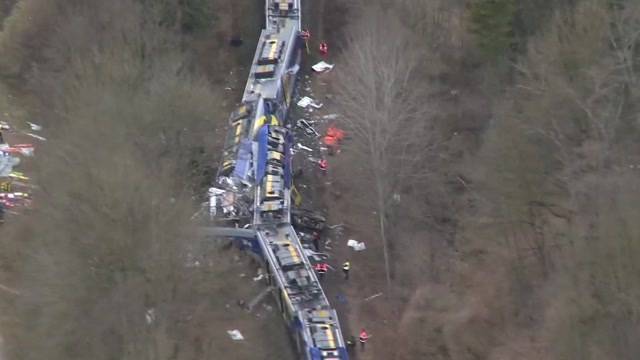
<point>323,164</point>
<point>345,269</point>
<point>363,338</point>
<point>321,269</point>
<point>351,343</point>
<point>324,49</point>
<point>305,34</point>
<point>316,240</point>
<point>331,143</point>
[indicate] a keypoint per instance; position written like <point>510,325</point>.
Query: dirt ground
<point>354,299</point>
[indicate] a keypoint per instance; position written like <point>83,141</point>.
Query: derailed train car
<point>257,158</point>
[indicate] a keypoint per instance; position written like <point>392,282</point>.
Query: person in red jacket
<point>324,49</point>
<point>323,164</point>
<point>321,269</point>
<point>363,338</point>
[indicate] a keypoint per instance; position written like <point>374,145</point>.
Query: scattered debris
<point>306,126</point>
<point>260,275</point>
<point>150,315</point>
<point>322,67</point>
<point>302,147</point>
<point>34,127</point>
<point>7,163</point>
<point>355,245</point>
<point>330,117</point>
<point>16,174</point>
<point>306,101</point>
<point>36,136</point>
<point>315,256</point>
<point>373,296</point>
<point>235,334</point>
<point>307,219</point>
<point>4,125</point>
<point>23,149</point>
<point>9,290</point>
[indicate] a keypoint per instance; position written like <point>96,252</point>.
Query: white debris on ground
<point>34,127</point>
<point>150,316</point>
<point>302,147</point>
<point>259,276</point>
<point>36,136</point>
<point>322,67</point>
<point>306,126</point>
<point>330,117</point>
<point>235,334</point>
<point>307,101</point>
<point>373,296</point>
<point>355,245</point>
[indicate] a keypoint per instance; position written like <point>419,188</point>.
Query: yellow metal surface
<point>297,197</point>
<point>294,253</point>
<point>330,338</point>
<point>273,49</point>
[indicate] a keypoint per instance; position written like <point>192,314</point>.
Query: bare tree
<point>384,106</point>
<point>595,312</point>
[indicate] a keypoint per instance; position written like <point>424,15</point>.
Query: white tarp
<point>322,67</point>
<point>306,101</point>
<point>355,245</point>
<point>235,334</point>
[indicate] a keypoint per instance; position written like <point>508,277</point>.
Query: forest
<point>490,169</point>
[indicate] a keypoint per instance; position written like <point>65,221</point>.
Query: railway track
<point>253,187</point>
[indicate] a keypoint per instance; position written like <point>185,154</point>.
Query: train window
<point>269,54</point>
<point>265,72</point>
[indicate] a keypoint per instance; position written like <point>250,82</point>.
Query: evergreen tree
<point>492,24</point>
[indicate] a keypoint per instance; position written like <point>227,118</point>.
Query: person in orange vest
<point>323,164</point>
<point>335,132</point>
<point>333,138</point>
<point>321,269</point>
<point>331,143</point>
<point>363,338</point>
<point>324,49</point>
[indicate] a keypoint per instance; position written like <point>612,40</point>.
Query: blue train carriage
<point>273,175</point>
<point>304,306</point>
<point>278,11</point>
<point>239,125</point>
<point>322,335</point>
<point>273,72</point>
